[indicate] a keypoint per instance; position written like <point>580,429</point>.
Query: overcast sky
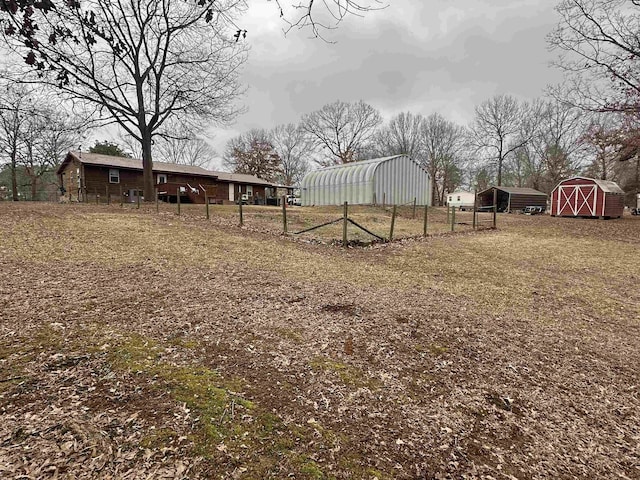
<point>419,56</point>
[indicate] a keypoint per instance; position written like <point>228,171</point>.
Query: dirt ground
<point>136,344</point>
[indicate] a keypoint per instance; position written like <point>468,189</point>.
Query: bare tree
<point>294,149</point>
<point>49,135</point>
<point>402,135</point>
<point>602,138</point>
<point>252,153</point>
<point>499,129</point>
<point>35,132</point>
<point>598,47</point>
<point>179,144</point>
<point>321,16</point>
<point>342,129</point>
<point>142,62</point>
<point>24,16</point>
<point>16,110</point>
<point>442,142</point>
<point>557,145</point>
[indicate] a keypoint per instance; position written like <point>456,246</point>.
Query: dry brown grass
<point>134,344</point>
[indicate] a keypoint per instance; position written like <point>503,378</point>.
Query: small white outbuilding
<point>461,199</point>
<point>392,180</point>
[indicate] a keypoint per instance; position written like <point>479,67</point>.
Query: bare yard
<point>142,345</point>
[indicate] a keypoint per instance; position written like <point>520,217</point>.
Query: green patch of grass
<point>159,438</point>
<point>228,422</point>
<point>434,349</point>
<point>350,375</point>
<point>291,334</point>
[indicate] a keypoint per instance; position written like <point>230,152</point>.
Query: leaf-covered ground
<point>142,345</point>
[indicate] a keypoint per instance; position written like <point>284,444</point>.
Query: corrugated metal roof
<point>395,180</point>
<point>515,190</point>
<point>162,167</point>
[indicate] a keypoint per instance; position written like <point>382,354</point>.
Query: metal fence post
<point>155,193</point>
<point>121,197</point>
<point>206,202</point>
<point>240,209</point>
<point>414,207</point>
<point>178,199</point>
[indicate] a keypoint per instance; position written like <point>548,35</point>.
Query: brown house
<point>84,176</point>
<point>511,199</point>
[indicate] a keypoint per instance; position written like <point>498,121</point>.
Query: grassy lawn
<point>136,344</point>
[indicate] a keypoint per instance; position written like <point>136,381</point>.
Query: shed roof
<point>136,164</point>
<point>515,190</point>
<point>606,186</point>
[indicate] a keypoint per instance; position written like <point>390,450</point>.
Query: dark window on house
<point>114,175</point>
<point>162,178</point>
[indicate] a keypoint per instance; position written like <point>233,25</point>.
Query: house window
<point>114,175</point>
<point>162,178</point>
<point>250,190</point>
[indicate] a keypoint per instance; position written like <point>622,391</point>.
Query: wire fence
<point>345,224</point>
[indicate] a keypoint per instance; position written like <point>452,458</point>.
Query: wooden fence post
<point>106,189</point>
<point>495,206</point>
<point>414,207</point>
<point>178,198</point>
<point>284,214</point>
<point>453,218</point>
<point>424,229</point>
<point>155,192</point>
<point>475,208</point>
<point>345,215</point>
<point>393,222</point>
<point>240,208</point>
<point>206,202</point>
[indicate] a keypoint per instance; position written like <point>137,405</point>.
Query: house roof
<point>606,186</point>
<point>161,167</point>
<point>515,190</point>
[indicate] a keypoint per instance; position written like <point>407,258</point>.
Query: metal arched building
<point>393,180</point>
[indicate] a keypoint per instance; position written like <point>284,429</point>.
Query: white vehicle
<point>293,200</point>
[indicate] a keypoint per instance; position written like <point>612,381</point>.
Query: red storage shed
<point>587,197</point>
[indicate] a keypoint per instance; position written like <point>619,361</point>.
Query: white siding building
<point>394,180</point>
<point>460,199</point>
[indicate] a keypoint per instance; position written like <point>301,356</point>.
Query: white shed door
<point>231,192</point>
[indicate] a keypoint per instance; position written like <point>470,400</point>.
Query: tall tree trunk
<point>34,187</point>
<point>14,177</point>
<point>637,180</point>
<point>500,160</point>
<point>147,167</point>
